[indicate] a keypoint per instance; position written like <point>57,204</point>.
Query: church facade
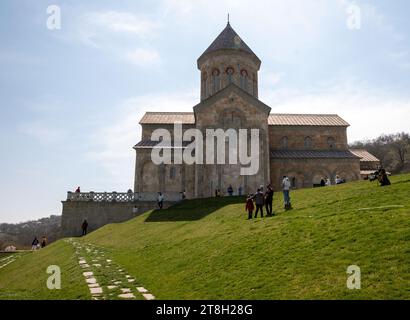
<point>305,147</point>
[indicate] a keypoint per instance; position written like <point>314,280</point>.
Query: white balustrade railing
<point>121,196</point>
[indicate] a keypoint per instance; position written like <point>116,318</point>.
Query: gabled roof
<point>233,88</point>
<point>279,119</point>
<point>312,154</point>
<point>228,39</point>
<point>149,144</point>
<point>168,118</point>
<point>364,155</point>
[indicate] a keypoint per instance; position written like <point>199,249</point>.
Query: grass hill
<point>207,249</point>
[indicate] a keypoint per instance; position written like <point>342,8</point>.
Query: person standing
<point>269,200</point>
<point>43,242</point>
<point>259,200</point>
<point>135,210</point>
<point>84,227</point>
<point>230,190</point>
<point>34,244</point>
<point>160,200</point>
<point>240,191</point>
<point>286,191</point>
<point>249,206</point>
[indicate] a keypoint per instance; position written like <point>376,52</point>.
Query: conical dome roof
<point>228,39</point>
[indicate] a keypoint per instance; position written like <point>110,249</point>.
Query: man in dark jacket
<point>84,227</point>
<point>269,200</point>
<point>259,200</point>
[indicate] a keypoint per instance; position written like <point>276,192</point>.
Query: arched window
<point>308,142</point>
<point>229,73</point>
<point>284,143</point>
<point>216,82</point>
<point>204,84</point>
<point>255,85</point>
<point>331,142</point>
<point>244,80</point>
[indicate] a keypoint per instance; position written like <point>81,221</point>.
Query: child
<point>249,206</point>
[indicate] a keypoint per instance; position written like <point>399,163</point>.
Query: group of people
<point>261,199</point>
<point>326,182</point>
<point>382,176</point>
<point>36,244</point>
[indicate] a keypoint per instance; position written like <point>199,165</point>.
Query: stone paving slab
<point>148,296</point>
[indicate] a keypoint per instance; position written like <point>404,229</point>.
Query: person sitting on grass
<point>383,178</point>
<point>249,206</point>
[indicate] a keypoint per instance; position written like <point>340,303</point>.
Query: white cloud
<point>143,57</point>
<point>124,22</point>
<point>370,112</point>
<point>112,143</point>
<point>42,132</point>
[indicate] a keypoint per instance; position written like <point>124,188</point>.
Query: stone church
<point>305,147</point>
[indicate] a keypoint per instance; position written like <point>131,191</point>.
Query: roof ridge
<point>304,114</point>
<point>168,112</point>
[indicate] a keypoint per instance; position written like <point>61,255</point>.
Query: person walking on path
<point>286,191</point>
<point>249,206</point>
<point>34,244</point>
<point>84,227</point>
<point>259,200</point>
<point>269,200</point>
<point>160,200</point>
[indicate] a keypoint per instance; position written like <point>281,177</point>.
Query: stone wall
<point>98,214</point>
<point>305,173</point>
<point>320,137</point>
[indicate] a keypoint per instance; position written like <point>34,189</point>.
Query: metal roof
<point>312,154</point>
<point>282,119</point>
<point>276,119</point>
<point>364,155</point>
<point>168,118</point>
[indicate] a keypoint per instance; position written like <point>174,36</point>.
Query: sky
<point>71,97</point>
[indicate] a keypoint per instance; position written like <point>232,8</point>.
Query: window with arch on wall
<point>216,82</point>
<point>244,80</point>
<point>331,142</point>
<point>254,85</point>
<point>308,142</point>
<point>204,84</point>
<point>284,143</point>
<point>229,73</point>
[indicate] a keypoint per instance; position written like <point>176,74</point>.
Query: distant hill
<point>207,249</point>
<point>22,234</point>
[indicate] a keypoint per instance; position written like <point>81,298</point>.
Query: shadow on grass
<point>191,210</point>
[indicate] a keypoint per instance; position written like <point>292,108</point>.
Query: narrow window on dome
<point>230,73</point>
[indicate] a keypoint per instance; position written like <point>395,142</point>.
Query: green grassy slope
<point>26,277</point>
<point>206,249</point>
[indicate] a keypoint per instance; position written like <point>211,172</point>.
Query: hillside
<point>206,249</point>
<point>22,234</point>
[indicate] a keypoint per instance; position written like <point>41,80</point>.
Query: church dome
<point>228,39</point>
<point>228,60</point>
